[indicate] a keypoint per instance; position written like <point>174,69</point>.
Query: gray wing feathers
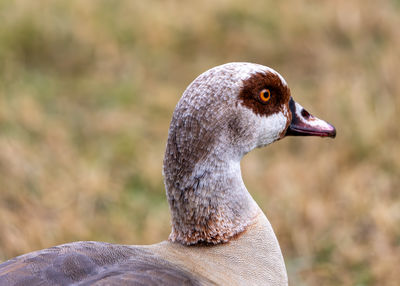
<point>93,263</point>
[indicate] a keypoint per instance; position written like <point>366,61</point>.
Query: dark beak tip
<point>333,134</point>
<point>330,132</point>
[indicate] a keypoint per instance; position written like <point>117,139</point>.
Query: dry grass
<point>87,89</point>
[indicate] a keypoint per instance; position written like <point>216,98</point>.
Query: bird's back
<point>93,263</point>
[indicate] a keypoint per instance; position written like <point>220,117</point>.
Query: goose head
<point>223,114</point>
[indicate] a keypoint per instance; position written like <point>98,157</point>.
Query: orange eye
<point>265,95</point>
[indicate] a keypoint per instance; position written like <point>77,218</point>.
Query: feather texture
<point>93,263</point>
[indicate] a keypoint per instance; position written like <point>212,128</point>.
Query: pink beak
<point>304,124</point>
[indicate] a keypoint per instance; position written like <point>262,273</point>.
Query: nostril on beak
<point>305,114</point>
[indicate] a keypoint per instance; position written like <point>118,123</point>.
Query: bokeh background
<point>87,89</point>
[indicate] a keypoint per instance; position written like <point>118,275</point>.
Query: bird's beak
<point>304,124</point>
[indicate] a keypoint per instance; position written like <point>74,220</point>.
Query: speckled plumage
<point>211,130</point>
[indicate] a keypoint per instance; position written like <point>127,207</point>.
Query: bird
<point>219,235</point>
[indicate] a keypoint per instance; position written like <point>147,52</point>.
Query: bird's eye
<point>265,95</point>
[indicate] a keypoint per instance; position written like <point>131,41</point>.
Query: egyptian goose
<point>219,234</point>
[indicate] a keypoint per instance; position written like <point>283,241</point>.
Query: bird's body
<point>93,263</point>
<point>219,234</point>
<point>165,263</point>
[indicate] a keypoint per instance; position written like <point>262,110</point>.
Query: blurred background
<point>87,90</point>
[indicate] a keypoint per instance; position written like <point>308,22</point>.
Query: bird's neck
<point>253,258</point>
<point>210,204</point>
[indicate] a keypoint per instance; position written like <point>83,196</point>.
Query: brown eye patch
<point>255,85</point>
